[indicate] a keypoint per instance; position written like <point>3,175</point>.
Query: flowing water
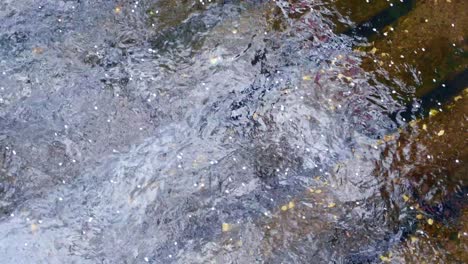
<point>174,131</point>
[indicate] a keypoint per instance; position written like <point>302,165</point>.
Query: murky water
<point>230,132</point>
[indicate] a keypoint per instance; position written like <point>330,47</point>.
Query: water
<point>199,132</point>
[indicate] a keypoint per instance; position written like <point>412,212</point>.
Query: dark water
<point>220,132</point>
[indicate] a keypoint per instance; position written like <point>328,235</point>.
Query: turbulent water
<point>193,132</point>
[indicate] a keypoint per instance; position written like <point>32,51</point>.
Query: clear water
<point>217,132</point>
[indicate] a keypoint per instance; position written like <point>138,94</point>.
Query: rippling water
<point>219,132</point>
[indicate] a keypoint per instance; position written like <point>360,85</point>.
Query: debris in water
<point>37,50</point>
<point>34,228</point>
<point>405,197</point>
<point>226,227</point>
<point>385,258</point>
<point>433,112</point>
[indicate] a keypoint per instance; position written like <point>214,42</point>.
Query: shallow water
<point>232,131</point>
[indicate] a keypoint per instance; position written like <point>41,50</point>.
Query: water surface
<point>222,132</point>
